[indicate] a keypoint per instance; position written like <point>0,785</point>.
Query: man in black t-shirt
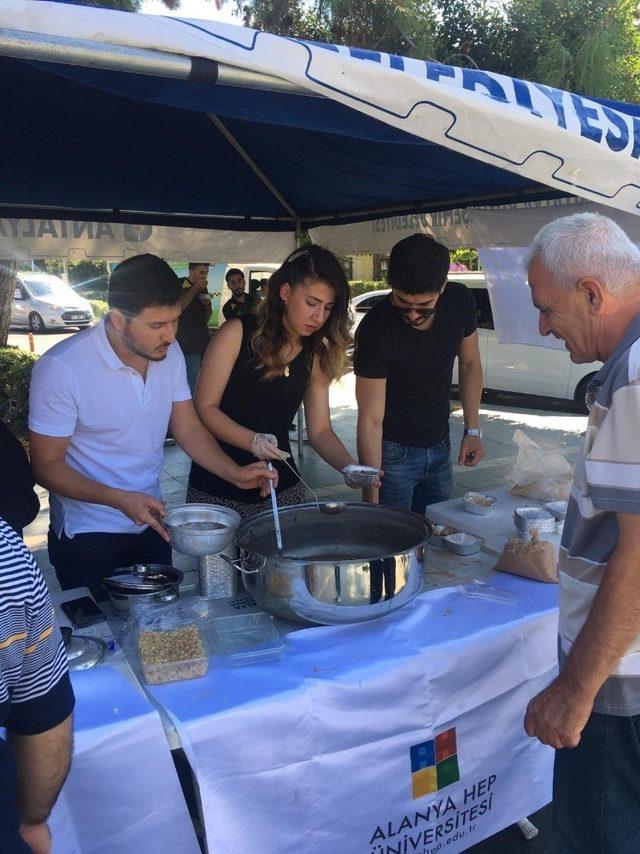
<point>241,302</point>
<point>405,350</point>
<point>193,330</point>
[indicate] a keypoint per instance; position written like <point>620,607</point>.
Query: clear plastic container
<point>481,590</point>
<point>247,638</point>
<point>171,655</point>
<point>168,644</point>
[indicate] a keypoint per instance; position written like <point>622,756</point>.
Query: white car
<point>361,304</point>
<point>42,301</point>
<point>513,368</point>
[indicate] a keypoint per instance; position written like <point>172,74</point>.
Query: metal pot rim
<point>301,562</point>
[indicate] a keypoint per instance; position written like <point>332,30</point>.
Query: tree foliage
<point>587,46</point>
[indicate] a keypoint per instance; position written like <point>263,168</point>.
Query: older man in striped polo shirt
<point>584,275</point>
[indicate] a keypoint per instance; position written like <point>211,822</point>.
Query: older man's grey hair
<point>588,244</point>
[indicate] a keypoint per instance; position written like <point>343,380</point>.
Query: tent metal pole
<point>253,166</point>
<point>278,195</point>
<point>131,216</point>
<point>421,207</point>
<point>67,51</point>
<point>60,50</point>
<point>300,413</point>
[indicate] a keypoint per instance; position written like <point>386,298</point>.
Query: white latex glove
<point>265,447</point>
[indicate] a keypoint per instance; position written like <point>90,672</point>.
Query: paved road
<point>42,340</point>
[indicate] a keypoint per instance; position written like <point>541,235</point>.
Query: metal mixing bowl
<point>340,563</point>
<point>201,529</point>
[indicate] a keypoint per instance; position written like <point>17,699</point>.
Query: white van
<point>42,301</point>
<point>522,368</point>
<point>514,368</point>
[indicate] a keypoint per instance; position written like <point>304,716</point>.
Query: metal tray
<point>463,544</point>
<point>472,503</point>
<point>527,519</point>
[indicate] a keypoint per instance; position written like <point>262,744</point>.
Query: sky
<point>204,9</point>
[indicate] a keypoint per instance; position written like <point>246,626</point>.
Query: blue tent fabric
<point>121,142</point>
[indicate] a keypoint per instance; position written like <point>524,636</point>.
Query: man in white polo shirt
<point>100,405</point>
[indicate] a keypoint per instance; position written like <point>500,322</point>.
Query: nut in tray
<point>172,655</point>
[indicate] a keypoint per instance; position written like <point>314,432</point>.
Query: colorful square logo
<point>434,764</point>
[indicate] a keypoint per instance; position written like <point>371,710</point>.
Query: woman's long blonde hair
<point>329,344</point>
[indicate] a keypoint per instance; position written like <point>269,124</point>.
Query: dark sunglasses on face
<point>407,309</point>
<point>422,312</point>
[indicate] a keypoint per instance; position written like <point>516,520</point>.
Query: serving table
<point>495,528</point>
<point>400,734</point>
<point>405,731</point>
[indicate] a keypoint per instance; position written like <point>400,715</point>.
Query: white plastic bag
<point>539,473</point>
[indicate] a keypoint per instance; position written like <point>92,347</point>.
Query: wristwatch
<point>473,431</point>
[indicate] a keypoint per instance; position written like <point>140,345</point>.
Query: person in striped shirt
<point>36,702</point>
<point>584,275</point>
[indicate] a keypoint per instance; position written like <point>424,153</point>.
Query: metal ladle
<point>329,508</point>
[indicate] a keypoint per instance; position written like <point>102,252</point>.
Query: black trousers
<point>85,559</point>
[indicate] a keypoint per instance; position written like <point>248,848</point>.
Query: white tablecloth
<point>495,529</point>
<point>407,730</point>
<point>122,795</point>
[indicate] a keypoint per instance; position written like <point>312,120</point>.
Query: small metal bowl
<point>527,519</point>
<point>463,544</point>
<point>362,476</point>
<point>201,529</point>
<point>479,503</point>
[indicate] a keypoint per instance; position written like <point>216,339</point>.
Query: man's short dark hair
<point>141,282</point>
<point>193,264</point>
<point>418,265</point>
<point>234,271</point>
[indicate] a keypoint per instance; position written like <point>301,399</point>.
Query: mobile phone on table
<point>83,612</point>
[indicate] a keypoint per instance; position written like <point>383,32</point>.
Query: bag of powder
<point>534,558</point>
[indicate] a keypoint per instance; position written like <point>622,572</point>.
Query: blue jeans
<point>193,362</point>
<point>596,789</point>
<point>415,477</point>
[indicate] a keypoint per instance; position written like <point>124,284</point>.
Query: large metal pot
<point>341,563</point>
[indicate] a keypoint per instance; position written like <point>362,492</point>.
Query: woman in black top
<point>259,369</point>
